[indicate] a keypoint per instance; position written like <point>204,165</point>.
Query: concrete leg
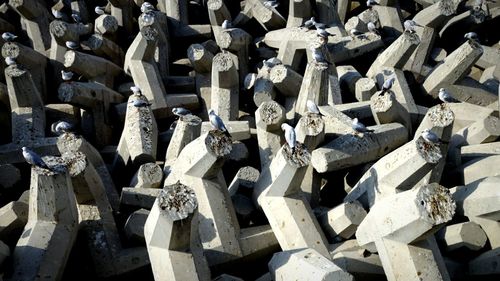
<point>268,119</point>
<point>225,92</point>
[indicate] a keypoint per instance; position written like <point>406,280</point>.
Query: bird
<point>309,23</point>
<point>271,4</point>
<point>99,10</point>
<point>249,80</point>
<point>148,18</point>
<point>72,45</point>
<point>32,158</point>
<point>61,127</point>
<point>445,97</point>
<point>321,32</point>
<point>312,107</point>
<point>217,122</point>
<point>10,61</point>
<point>388,84</point>
<point>471,37</point>
<point>147,7</point>
<point>318,56</point>
<point>66,75</point>
<point>359,127</point>
<point>136,90</point>
<point>410,25</point>
<point>371,3</point>
<point>273,61</point>
<point>57,14</point>
<point>76,17</point>
<point>9,37</point>
<point>430,136</point>
<point>180,111</point>
<point>140,103</point>
<point>372,28</point>
<point>226,24</point>
<point>290,137</point>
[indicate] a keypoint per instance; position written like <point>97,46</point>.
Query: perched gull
<point>372,28</point>
<point>72,45</point>
<point>217,122</point>
<point>32,158</point>
<point>359,127</point>
<point>273,61</point>
<point>226,24</point>
<point>148,18</point>
<point>370,3</point>
<point>61,127</point>
<point>309,23</point>
<point>318,56</point>
<point>290,136</point>
<point>312,107</point>
<point>76,17</point>
<point>410,25</point>
<point>57,14</point>
<point>136,90</point>
<point>388,84</point>
<point>471,36</point>
<point>140,103</point>
<point>430,136</point>
<point>147,7</point>
<point>321,32</point>
<point>10,61</point>
<point>66,75</point>
<point>99,10</point>
<point>271,4</point>
<point>180,111</point>
<point>445,97</point>
<point>9,37</point>
<point>249,80</point>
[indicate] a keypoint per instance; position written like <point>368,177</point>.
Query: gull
<point>309,23</point>
<point>321,32</point>
<point>147,7</point>
<point>9,37</point>
<point>76,17</point>
<point>66,75</point>
<point>274,61</point>
<point>61,127</point>
<point>57,14</point>
<point>217,122</point>
<point>445,97</point>
<point>32,158</point>
<point>359,127</point>
<point>271,4</point>
<point>410,25</point>
<point>148,18</point>
<point>136,90</point>
<point>72,45</point>
<point>10,61</point>
<point>226,24</point>
<point>180,111</point>
<point>430,136</point>
<point>249,80</point>
<point>140,103</point>
<point>290,136</point>
<point>471,36</point>
<point>372,28</point>
<point>318,56</point>
<point>99,10</point>
<point>388,84</point>
<point>312,107</point>
<point>371,3</point>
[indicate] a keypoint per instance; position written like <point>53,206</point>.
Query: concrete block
<point>148,175</point>
<point>342,220</point>
<point>463,235</point>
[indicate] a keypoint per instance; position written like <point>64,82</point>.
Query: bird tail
<point>227,134</point>
<point>370,130</point>
<point>293,150</point>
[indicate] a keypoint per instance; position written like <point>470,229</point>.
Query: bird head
<point>211,112</point>
<point>425,131</point>
<point>284,126</point>
<point>135,89</point>
<point>355,120</point>
<point>24,148</point>
<point>174,110</point>
<point>442,90</point>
